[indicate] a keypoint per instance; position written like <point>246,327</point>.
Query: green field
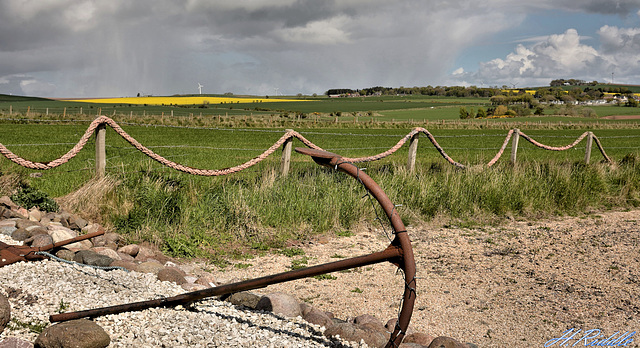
<point>256,209</point>
<point>319,110</point>
<point>222,148</point>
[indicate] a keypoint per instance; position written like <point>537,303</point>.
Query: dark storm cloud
<point>122,47</point>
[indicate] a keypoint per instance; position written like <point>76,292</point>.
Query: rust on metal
<point>399,253</point>
<point>15,253</point>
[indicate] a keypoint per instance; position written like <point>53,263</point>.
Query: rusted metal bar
<point>257,283</point>
<point>407,263</point>
<point>15,253</point>
<point>399,253</point>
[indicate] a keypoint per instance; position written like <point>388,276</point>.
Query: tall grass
<point>530,190</point>
<point>231,216</point>
<point>234,214</point>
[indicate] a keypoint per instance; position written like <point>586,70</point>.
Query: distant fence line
<point>98,127</point>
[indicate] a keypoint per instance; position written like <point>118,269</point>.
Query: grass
<point>233,215</point>
<point>253,211</point>
<point>35,326</point>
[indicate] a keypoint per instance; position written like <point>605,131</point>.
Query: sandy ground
<point>516,285</point>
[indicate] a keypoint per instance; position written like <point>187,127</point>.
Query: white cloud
<point>318,32</point>
<point>564,56</point>
<point>35,87</point>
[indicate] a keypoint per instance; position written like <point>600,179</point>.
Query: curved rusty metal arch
<point>399,252</point>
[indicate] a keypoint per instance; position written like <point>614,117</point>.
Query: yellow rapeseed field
<point>182,100</point>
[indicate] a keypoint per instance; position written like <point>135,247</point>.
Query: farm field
<point>222,148</point>
<point>302,109</point>
<point>180,100</point>
<point>257,209</point>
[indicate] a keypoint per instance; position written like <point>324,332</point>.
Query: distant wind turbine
<point>276,91</point>
<point>200,87</point>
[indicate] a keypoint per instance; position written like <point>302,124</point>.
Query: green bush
<point>28,197</point>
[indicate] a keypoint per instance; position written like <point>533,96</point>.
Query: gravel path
<point>38,289</point>
<point>517,285</point>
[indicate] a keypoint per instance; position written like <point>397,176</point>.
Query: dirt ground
<point>516,285</point>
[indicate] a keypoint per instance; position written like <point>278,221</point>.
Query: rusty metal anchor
<point>399,252</point>
<point>15,253</point>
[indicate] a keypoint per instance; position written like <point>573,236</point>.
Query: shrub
<point>28,198</point>
<point>500,110</point>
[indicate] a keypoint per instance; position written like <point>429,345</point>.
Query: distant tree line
<point>571,82</point>
<point>441,91</point>
<point>582,91</point>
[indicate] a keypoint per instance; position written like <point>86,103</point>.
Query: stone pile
<point>37,229</point>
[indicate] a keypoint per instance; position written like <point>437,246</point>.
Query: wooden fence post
<point>413,149</point>
<point>10,109</point>
<point>285,161</point>
<point>514,145</point>
<point>587,152</point>
<point>101,156</point>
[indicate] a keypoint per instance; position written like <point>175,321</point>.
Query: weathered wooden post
<point>101,156</point>
<point>285,161</point>
<point>413,149</point>
<point>587,152</point>
<point>514,145</point>
<point>10,109</point>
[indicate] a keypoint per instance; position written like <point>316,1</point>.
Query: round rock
<point>315,316</point>
<point>5,312</point>
<point>80,333</point>
<point>419,338</point>
<point>66,254</point>
<point>170,274</point>
<point>355,333</point>
<point>446,342</point>
<point>15,342</point>
<point>92,258</point>
<point>107,252</point>
<point>280,303</point>
<point>131,249</point>
<point>41,240</point>
<point>20,234</point>
<point>244,298</point>
<point>150,267</point>
<point>207,279</point>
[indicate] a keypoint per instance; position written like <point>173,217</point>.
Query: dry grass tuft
<point>90,198</point>
<point>9,183</point>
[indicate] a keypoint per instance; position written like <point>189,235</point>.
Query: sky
<point>112,48</point>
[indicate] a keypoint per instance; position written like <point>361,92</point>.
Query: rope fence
<point>98,128</point>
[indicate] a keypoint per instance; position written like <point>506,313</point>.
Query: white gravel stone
<point>209,323</point>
